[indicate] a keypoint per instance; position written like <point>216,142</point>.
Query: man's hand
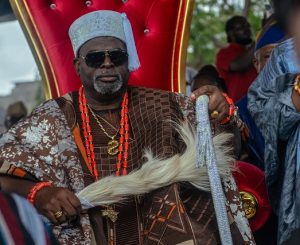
<point>57,204</point>
<point>217,101</point>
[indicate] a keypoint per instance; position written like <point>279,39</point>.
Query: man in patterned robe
<point>274,103</point>
<point>57,142</point>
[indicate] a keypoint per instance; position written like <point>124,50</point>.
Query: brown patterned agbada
<point>47,146</point>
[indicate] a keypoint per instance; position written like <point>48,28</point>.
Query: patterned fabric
<point>49,146</point>
<point>270,104</point>
<point>279,124</point>
<point>255,144</point>
<point>43,146</point>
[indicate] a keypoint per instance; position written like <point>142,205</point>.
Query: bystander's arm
<point>244,61</point>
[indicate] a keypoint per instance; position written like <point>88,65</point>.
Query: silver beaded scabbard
<point>206,155</point>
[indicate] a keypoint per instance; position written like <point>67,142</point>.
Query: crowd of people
<point>101,132</point>
<point>268,104</point>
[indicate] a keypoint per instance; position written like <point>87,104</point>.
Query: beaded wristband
<point>232,109</point>
<point>33,191</point>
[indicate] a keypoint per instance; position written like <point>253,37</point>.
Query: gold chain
<point>101,126</point>
<point>107,122</point>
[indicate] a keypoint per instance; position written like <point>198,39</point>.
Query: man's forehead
<point>267,48</point>
<point>103,43</point>
<point>241,23</point>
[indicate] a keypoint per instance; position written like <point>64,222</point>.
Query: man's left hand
<point>217,101</point>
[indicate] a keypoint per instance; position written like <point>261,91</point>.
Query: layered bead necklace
<point>122,158</point>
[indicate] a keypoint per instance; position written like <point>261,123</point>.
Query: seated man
<point>101,130</point>
<point>14,113</point>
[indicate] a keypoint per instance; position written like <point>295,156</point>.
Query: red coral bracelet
<point>33,191</point>
<point>232,109</point>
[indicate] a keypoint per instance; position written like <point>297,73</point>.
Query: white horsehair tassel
<point>157,172</point>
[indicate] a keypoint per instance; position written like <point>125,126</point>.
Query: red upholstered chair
<point>160,27</point>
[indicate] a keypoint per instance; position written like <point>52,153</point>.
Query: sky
<point>16,60</point>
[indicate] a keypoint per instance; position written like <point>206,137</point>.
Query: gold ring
<point>214,114</point>
<point>58,214</point>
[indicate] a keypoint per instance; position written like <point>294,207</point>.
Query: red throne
<point>160,27</point>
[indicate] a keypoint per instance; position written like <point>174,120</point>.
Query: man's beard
<point>243,41</point>
<point>108,88</point>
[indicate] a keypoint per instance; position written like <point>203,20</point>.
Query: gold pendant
<point>112,147</point>
<point>110,213</point>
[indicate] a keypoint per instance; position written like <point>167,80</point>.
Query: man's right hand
<point>57,204</point>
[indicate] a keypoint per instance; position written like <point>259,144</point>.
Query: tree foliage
<point>207,33</point>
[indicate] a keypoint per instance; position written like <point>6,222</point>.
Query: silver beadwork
<point>206,154</point>
<point>96,24</point>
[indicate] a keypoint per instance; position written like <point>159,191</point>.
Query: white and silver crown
<point>103,23</point>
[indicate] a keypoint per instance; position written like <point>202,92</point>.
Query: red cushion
<point>159,27</point>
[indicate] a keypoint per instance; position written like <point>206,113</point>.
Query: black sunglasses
<point>96,58</point>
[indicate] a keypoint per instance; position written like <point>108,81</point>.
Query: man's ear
<point>256,63</point>
<point>76,64</point>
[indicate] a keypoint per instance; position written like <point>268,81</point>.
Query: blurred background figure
<point>267,39</point>
<point>2,116</point>
<point>190,73</point>
<point>14,113</point>
<point>208,75</point>
<point>268,12</point>
<point>235,62</point>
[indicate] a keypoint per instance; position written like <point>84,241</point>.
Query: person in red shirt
<point>235,62</point>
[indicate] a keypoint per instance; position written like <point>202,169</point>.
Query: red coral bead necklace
<point>122,158</point>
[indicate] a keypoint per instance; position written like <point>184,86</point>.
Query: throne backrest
<point>160,27</point>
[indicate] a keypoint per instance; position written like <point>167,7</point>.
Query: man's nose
<point>107,61</point>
